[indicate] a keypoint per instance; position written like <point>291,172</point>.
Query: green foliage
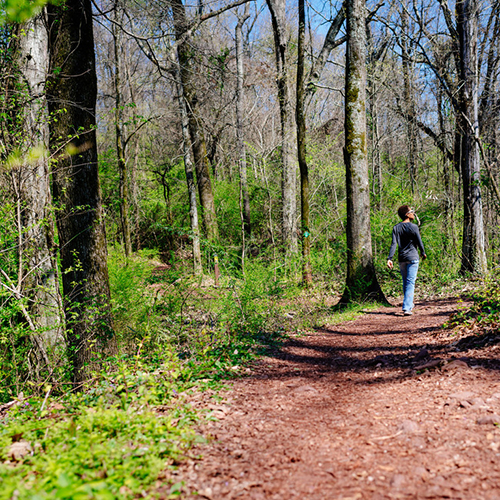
<point>15,347</point>
<point>218,331</point>
<point>249,306</point>
<point>106,442</point>
<point>19,11</point>
<point>133,303</point>
<point>228,212</point>
<point>485,309</point>
<point>15,344</point>
<point>168,311</point>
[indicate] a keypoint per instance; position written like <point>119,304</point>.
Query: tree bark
<point>447,179</point>
<point>301,149</point>
<point>374,120</point>
<point>277,9</point>
<point>198,143</point>
<point>134,192</point>
<point>71,94</point>
<point>188,168</point>
<point>473,244</point>
<point>409,102</point>
<point>119,137</point>
<point>38,275</point>
<point>361,282</point>
<point>242,161</point>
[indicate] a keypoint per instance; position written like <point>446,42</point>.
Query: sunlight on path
<point>350,412</point>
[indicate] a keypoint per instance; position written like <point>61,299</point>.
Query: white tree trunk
<point>39,277</point>
<point>473,244</point>
<point>188,168</point>
<point>242,161</point>
<point>289,178</point>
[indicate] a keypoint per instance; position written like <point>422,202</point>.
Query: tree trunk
<point>473,244</point>
<point>120,141</point>
<point>188,168</point>
<point>409,102</point>
<point>301,148</point>
<point>374,119</point>
<point>38,276</point>
<point>289,175</point>
<point>242,161</point>
<point>447,178</point>
<point>134,191</point>
<point>71,94</point>
<point>361,282</point>
<point>198,144</point>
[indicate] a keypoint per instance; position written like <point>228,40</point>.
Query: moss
<point>355,141</point>
<point>352,94</point>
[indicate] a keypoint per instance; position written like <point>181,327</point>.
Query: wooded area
<point>203,96</point>
<point>170,172</point>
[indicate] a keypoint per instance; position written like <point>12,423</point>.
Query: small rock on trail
<point>489,419</point>
<point>409,427</point>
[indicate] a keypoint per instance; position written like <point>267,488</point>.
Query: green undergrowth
<point>110,440</point>
<point>107,441</point>
<point>476,325</point>
<point>483,311</point>
<point>178,335</point>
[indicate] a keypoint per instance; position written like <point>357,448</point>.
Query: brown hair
<point>403,210</point>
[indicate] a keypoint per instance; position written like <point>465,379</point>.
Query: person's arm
<point>420,243</point>
<point>392,250</point>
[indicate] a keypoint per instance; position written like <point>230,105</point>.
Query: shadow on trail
<point>356,347</point>
<point>381,332</point>
<point>398,314</point>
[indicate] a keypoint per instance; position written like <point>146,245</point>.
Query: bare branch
<point>448,16</point>
<point>145,122</point>
<point>217,12</point>
<point>329,44</point>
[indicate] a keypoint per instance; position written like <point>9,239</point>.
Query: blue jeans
<point>409,275</point>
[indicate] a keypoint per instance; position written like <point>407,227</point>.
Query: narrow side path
<point>350,412</point>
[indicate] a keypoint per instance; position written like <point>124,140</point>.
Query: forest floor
<point>384,406</point>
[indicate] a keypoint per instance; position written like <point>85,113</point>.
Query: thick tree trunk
<point>71,93</point>
<point>289,175</point>
<point>198,144</point>
<point>120,141</point>
<point>242,161</point>
<point>301,148</point>
<point>473,244</point>
<point>38,277</point>
<point>188,168</point>
<point>361,282</point>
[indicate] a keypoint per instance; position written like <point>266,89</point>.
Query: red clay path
<point>381,407</point>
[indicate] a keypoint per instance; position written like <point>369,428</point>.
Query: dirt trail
<point>342,413</point>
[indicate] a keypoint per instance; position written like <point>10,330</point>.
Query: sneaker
<point>407,313</point>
